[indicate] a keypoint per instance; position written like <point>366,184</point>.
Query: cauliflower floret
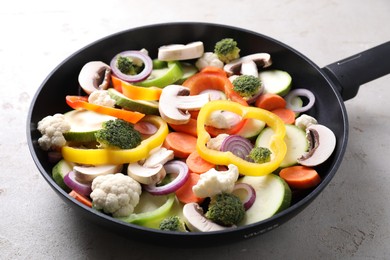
<point>214,182</point>
<point>216,142</point>
<point>52,129</point>
<point>117,194</point>
<point>102,98</point>
<point>209,59</point>
<point>304,121</point>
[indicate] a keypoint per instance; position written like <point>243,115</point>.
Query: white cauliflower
<point>209,59</point>
<point>214,182</point>
<point>216,142</point>
<point>102,98</point>
<point>52,129</point>
<point>304,121</point>
<point>117,194</point>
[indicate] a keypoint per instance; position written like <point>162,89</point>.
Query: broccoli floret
<point>118,134</point>
<point>227,50</point>
<point>225,209</point>
<point>246,85</point>
<point>173,223</point>
<point>127,66</point>
<point>260,154</point>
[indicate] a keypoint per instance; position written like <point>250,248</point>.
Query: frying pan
<point>332,85</point>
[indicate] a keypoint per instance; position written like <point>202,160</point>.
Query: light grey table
<point>349,220</point>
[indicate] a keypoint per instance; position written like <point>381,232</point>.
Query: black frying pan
<point>331,85</point>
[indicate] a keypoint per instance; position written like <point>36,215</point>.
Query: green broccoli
<point>260,154</point>
<point>227,50</point>
<point>173,223</point>
<point>246,85</point>
<point>118,134</point>
<point>225,209</point>
<point>127,66</point>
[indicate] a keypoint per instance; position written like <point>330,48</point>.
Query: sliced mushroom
<point>94,75</point>
<point>322,144</point>
<point>260,59</point>
<point>160,156</point>
<point>86,173</point>
<point>175,102</point>
<point>146,175</point>
<point>196,221</point>
<point>249,68</point>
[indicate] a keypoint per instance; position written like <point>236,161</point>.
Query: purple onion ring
<point>300,92</point>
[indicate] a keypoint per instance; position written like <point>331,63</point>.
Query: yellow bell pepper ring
<point>119,156</point>
<point>277,144</point>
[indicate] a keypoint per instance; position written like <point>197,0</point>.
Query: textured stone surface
<point>350,219</point>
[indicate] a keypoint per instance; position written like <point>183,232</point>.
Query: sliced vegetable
<point>81,198</point>
<point>76,102</point>
<point>272,196</point>
<point>164,76</point>
<point>287,115</point>
<point>295,140</point>
<point>185,194</point>
<point>146,175</point>
<point>261,59</point>
<point>79,187</point>
<point>270,101</point>
<point>246,193</point>
<point>197,164</point>
<point>59,171</point>
<point>300,177</point>
<point>145,128</point>
<point>137,57</point>
<point>182,144</point>
<point>86,173</point>
<point>142,106</point>
<point>276,81</point>
<point>300,92</point>
<point>189,70</point>
<point>322,144</point>
<point>188,51</point>
<point>135,92</point>
<point>151,210</point>
<point>94,75</point>
<point>238,145</point>
<point>251,128</point>
<point>188,128</point>
<point>175,167</point>
<point>175,102</point>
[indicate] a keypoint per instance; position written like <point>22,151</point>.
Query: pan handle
<point>348,74</point>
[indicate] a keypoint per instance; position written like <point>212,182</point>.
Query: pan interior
<point>329,108</point>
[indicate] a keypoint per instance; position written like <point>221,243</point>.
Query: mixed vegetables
<point>190,141</point>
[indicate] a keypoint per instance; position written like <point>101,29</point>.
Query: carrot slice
<point>189,128</point>
<point>300,177</point>
<point>287,115</point>
<point>185,194</point>
<point>181,144</point>
<point>81,198</point>
<point>270,101</point>
<point>197,164</point>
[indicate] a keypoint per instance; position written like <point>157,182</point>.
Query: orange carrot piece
<point>300,177</point>
<point>181,144</point>
<point>185,194</point>
<point>287,115</point>
<point>87,202</point>
<point>197,164</point>
<point>189,128</point>
<point>270,101</point>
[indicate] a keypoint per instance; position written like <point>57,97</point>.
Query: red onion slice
<point>144,74</point>
<point>73,184</point>
<point>145,128</point>
<point>238,145</point>
<point>300,92</point>
<point>247,197</point>
<point>175,167</point>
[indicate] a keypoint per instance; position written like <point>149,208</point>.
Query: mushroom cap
<point>146,175</point>
<point>86,174</point>
<point>323,143</point>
